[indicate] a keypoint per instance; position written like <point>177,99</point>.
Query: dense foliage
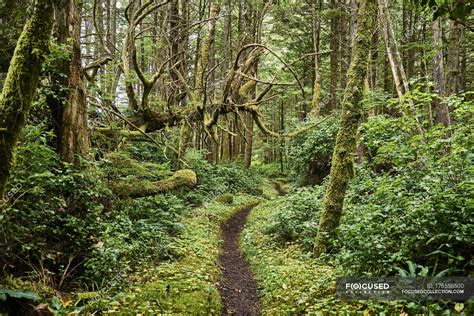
<point>310,155</point>
<point>409,201</point>
<point>132,132</point>
<point>61,223</point>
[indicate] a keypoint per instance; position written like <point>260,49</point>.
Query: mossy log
<point>180,179</point>
<point>21,81</point>
<point>342,166</point>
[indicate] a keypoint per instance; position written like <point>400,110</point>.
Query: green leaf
<point>18,294</point>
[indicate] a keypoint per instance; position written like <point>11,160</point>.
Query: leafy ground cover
<point>185,285</point>
<point>293,282</point>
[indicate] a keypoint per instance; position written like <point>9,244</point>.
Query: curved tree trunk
<point>343,156</point>
<point>20,84</point>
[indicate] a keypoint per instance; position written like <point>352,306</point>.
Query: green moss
<point>120,166</point>
<point>21,81</point>
<point>188,285</point>
<point>226,198</point>
<point>39,289</point>
<point>140,188</point>
<point>342,164</point>
<point>291,281</point>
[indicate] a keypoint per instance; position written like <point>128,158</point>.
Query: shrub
<point>62,225</point>
<point>296,217</point>
<point>217,179</point>
<point>226,198</point>
<point>139,231</point>
<point>310,155</point>
<point>269,170</point>
<point>52,219</point>
<point>409,202</point>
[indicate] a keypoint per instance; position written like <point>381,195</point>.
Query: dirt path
<point>279,189</point>
<point>238,288</point>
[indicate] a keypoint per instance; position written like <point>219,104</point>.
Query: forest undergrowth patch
<point>188,284</point>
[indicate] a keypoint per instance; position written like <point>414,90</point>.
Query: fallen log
<point>141,188</point>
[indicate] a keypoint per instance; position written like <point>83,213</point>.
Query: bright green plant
<point>310,155</point>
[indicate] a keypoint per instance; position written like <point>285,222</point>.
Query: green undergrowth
<point>294,282</point>
<point>186,284</point>
<point>290,280</point>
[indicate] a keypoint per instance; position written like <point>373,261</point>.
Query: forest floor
<point>279,189</point>
<point>238,288</point>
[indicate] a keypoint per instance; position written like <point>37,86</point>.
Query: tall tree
<point>74,137</point>
<point>453,76</point>
<point>68,105</point>
<point>315,31</point>
<point>334,57</point>
<point>21,81</point>
<point>441,108</point>
<point>343,157</point>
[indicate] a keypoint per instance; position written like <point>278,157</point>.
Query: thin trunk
<point>226,137</point>
<point>248,141</point>
<point>317,80</point>
<point>391,60</point>
<point>398,58</point>
<point>204,55</point>
<point>282,140</point>
<point>374,54</point>
<point>412,38</point>
<point>334,59</point>
<point>174,39</point>
<point>343,157</point>
<point>344,40</point>
<point>397,61</point>
<point>441,108</point>
<point>453,80</point>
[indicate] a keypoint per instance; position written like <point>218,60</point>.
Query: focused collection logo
<point>411,288</point>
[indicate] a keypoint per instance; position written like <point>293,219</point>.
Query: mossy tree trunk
<point>198,97</point>
<point>454,58</point>
<point>343,157</point>
<point>74,136</point>
<point>68,106</point>
<point>21,81</point>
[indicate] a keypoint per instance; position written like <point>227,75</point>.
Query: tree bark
<point>68,106</point>
<point>334,56</point>
<point>315,28</point>
<point>343,156</point>
<point>441,108</point>
<point>453,82</point>
<point>74,138</point>
<point>21,81</point>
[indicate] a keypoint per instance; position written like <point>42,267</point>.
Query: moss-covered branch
<point>141,188</point>
<point>20,84</point>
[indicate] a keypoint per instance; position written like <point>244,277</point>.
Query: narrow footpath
<point>238,288</point>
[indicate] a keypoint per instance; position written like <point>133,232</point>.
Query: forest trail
<point>279,189</point>
<point>238,288</point>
